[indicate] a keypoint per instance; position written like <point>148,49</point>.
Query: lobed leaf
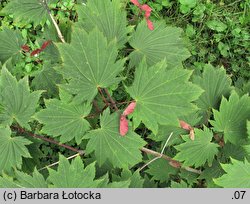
<point>89,62</point>
<point>247,147</point>
<point>215,84</point>
<point>12,149</point>
<point>107,16</point>
<point>47,79</point>
<point>211,172</point>
<point>74,174</point>
<point>64,119</point>
<point>11,43</point>
<point>161,170</point>
<point>162,95</point>
<point>17,101</point>
<point>199,151</point>
<point>237,175</point>
<point>107,144</point>
<point>7,182</point>
<point>231,118</point>
<point>158,44</point>
<point>182,184</point>
<point>24,180</point>
<point>27,11</point>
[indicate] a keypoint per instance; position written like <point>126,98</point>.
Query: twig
<point>71,157</point>
<point>59,33</point>
<point>103,97</point>
<point>158,157</point>
<point>96,106</point>
<point>111,100</point>
<point>82,152</point>
<point>157,154</point>
<point>21,130</point>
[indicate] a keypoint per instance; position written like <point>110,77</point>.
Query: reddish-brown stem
<point>175,163</point>
<point>81,152</point>
<point>111,100</point>
<point>172,162</point>
<point>21,130</point>
<point>96,106</point>
<point>103,97</point>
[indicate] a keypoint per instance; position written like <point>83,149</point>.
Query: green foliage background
<point>193,67</point>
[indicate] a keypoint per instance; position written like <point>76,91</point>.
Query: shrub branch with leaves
<point>112,102</point>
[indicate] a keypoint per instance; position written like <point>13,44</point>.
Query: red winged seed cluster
<point>147,14</point>
<point>123,120</point>
<point>44,45</point>
<point>26,48</point>
<point>188,127</point>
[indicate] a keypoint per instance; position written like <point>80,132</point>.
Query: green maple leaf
<point>237,175</point>
<point>107,143</point>
<point>7,182</point>
<point>17,101</point>
<point>216,84</point>
<point>189,177</point>
<point>24,180</point>
<point>231,118</point>
<point>64,119</point>
<point>181,184</point>
<point>114,184</point>
<point>27,11</point>
<point>74,174</point>
<point>136,181</point>
<point>107,16</point>
<point>164,131</point>
<point>47,79</point>
<point>120,184</point>
<point>209,173</point>
<point>162,42</point>
<point>12,149</point>
<point>27,181</point>
<point>149,183</point>
<point>234,151</point>
<point>196,152</point>
<point>161,170</point>
<point>10,44</point>
<point>89,62</point>
<point>162,95</point>
<point>247,147</point>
